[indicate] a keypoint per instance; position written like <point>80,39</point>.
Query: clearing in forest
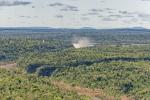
<point>9,65</point>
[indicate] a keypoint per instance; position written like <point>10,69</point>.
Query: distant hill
<point>87,28</point>
<point>138,28</point>
<point>51,29</point>
<point>26,28</point>
<point>134,28</point>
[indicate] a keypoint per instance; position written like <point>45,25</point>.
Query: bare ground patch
<point>94,94</point>
<point>8,65</point>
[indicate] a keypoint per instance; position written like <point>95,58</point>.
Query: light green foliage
<point>16,85</point>
<point>116,69</point>
<point>125,76</point>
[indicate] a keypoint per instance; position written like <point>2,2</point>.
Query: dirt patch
<point>94,94</point>
<point>127,98</point>
<point>9,65</point>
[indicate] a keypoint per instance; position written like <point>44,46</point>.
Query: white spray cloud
<point>82,42</point>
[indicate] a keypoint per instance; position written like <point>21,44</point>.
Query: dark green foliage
<point>45,70</point>
<point>126,87</point>
<point>12,49</point>
<point>32,68</point>
<point>2,57</point>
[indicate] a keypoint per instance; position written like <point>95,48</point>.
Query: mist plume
<point>82,42</point>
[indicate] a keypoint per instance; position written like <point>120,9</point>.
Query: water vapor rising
<point>82,42</point>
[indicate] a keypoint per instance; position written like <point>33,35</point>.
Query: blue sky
<point>75,13</point>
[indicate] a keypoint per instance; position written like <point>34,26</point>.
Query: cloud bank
<point>14,3</point>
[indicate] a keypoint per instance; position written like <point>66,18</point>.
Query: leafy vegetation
<point>119,64</point>
<point>97,68</point>
<point>16,85</point>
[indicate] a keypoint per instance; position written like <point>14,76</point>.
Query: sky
<point>75,13</point>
